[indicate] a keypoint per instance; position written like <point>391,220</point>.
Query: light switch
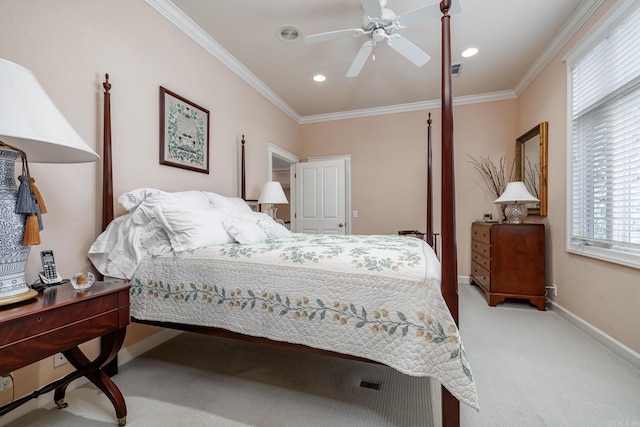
<point>355,214</point>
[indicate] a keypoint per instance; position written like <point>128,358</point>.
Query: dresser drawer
<point>481,249</point>
<point>481,275</point>
<point>482,260</point>
<point>481,233</point>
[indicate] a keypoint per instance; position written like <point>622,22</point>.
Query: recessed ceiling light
<point>319,78</point>
<point>289,34</point>
<point>469,52</point>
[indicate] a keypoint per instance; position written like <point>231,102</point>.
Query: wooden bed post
<point>107,186</point>
<point>243,182</point>
<point>429,231</point>
<point>107,178</point>
<point>450,405</point>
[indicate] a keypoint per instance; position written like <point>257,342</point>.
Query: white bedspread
<point>376,297</point>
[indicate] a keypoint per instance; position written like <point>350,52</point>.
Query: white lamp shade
<point>516,192</point>
<point>31,122</point>
<point>272,193</point>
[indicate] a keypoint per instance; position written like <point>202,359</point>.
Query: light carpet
<point>532,369</point>
<point>196,380</point>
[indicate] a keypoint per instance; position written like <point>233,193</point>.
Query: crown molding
<point>405,108</point>
<point>171,12</point>
<point>577,19</point>
<point>178,18</point>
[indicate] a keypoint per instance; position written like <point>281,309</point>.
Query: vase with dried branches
<point>494,176</point>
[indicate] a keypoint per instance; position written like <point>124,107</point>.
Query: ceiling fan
<point>379,23</point>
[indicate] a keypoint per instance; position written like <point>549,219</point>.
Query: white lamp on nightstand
<point>30,124</point>
<point>272,193</point>
<point>516,197</point>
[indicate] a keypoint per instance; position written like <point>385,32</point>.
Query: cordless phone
<point>49,275</point>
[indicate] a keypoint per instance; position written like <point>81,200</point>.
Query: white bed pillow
<point>130,200</point>
<point>230,204</point>
<point>151,198</point>
<point>116,252</point>
<point>193,228</point>
<point>272,229</point>
<point>244,231</point>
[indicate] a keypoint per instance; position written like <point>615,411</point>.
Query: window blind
<point>605,146</point>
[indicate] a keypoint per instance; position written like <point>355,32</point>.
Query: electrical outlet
<point>59,360</point>
<point>5,383</point>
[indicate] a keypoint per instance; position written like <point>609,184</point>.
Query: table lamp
<point>30,125</point>
<point>516,197</point>
<point>271,194</point>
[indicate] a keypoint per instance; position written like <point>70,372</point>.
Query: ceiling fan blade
<point>407,49</point>
<point>425,13</point>
<point>361,58</point>
<point>372,8</point>
<point>331,35</point>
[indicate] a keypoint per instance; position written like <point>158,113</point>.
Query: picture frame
<point>184,133</point>
<point>254,205</point>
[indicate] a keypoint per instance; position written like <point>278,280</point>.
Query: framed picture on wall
<point>254,205</point>
<point>184,133</point>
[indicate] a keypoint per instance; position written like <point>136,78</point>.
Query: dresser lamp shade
<point>29,123</point>
<point>272,193</point>
<point>516,196</point>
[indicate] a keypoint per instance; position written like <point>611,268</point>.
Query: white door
<point>320,197</point>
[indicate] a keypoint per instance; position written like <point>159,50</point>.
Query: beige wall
<point>69,45</point>
<point>604,294</point>
<point>388,164</point>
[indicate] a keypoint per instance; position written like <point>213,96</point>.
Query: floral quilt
<point>376,297</point>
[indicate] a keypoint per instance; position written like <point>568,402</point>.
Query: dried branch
<point>532,178</point>
<point>493,176</point>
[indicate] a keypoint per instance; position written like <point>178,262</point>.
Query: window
<point>603,216</point>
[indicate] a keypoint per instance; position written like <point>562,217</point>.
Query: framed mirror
<point>531,165</point>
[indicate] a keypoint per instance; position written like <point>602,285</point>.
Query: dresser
<point>508,261</point>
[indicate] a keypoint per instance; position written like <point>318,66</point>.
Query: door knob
<point>341,225</point>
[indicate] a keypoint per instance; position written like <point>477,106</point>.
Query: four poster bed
<point>208,265</point>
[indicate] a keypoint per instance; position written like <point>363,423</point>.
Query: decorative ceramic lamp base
<point>13,254</point>
<point>516,213</point>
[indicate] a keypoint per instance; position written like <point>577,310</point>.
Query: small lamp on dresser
<point>30,124</point>
<point>516,197</point>
<point>272,193</point>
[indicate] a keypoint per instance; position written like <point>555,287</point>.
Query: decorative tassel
<point>24,204</point>
<point>31,231</point>
<point>36,192</point>
<point>37,212</point>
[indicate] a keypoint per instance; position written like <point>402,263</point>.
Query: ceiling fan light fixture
<point>289,34</point>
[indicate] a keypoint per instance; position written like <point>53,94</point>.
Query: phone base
<point>31,293</point>
<point>55,281</point>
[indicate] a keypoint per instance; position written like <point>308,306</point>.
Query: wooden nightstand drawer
<point>45,321</point>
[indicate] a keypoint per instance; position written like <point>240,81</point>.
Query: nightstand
<point>508,261</point>
<point>59,320</point>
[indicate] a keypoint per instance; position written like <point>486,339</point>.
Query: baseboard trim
<point>626,353</point>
